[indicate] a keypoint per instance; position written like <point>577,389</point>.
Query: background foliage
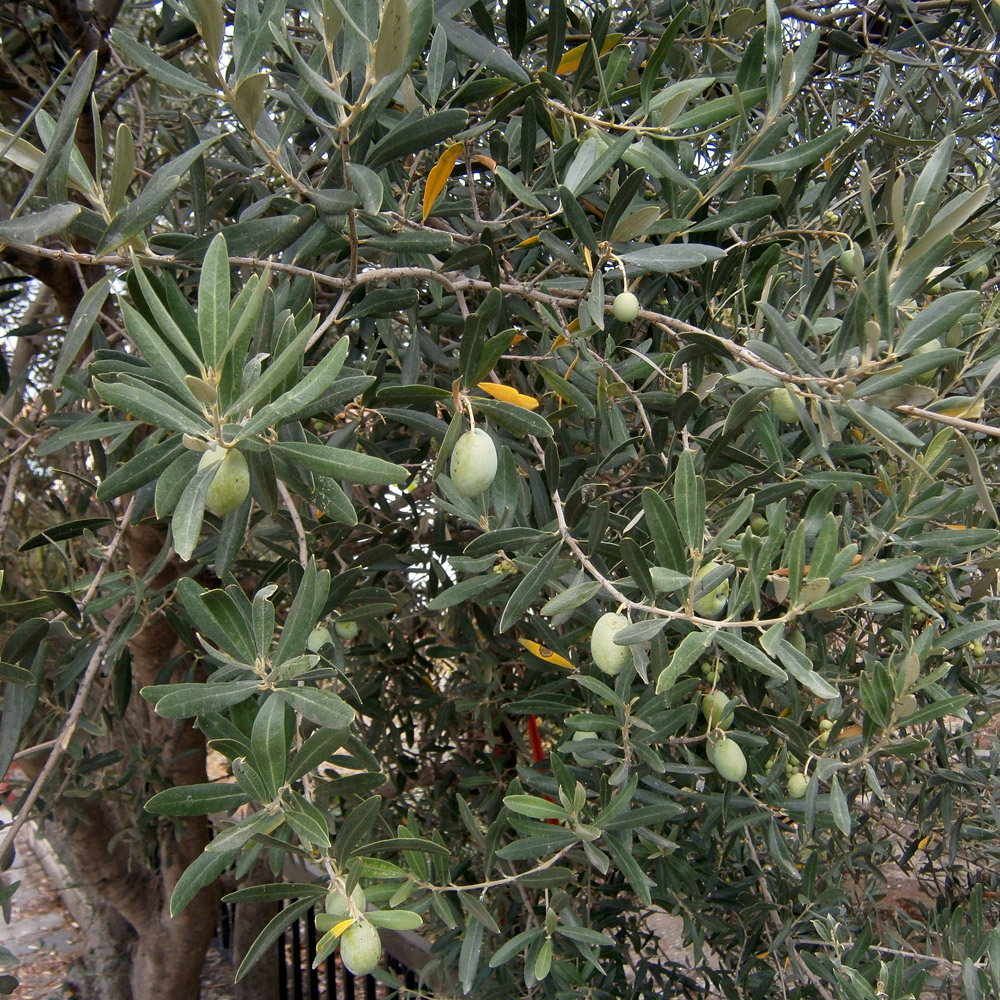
<point>326,236</point>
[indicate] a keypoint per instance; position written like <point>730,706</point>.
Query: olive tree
<point>528,464</point>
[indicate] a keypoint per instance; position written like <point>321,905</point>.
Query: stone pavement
<point>42,934</point>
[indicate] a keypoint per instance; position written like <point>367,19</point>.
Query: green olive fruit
<point>230,484</point>
<point>925,378</point>
<point>848,261</point>
<point>729,760</point>
<point>907,705</point>
<point>797,785</point>
<point>318,638</point>
<point>578,736</point>
<point>336,904</point>
<point>825,725</point>
<point>711,603</point>
<point>608,656</point>
<point>625,307</point>
<point>978,650</point>
<point>712,671</point>
<point>823,738</point>
<point>360,947</point>
<point>783,405</point>
<point>978,275</point>
<point>758,524</point>
<point>347,629</point>
<point>474,463</point>
<point>713,708</point>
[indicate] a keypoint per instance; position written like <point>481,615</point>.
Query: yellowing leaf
<point>339,929</point>
<point>439,175</point>
<point>486,161</point>
<point>571,60</point>
<point>966,407</point>
<point>508,394</point>
<point>529,242</point>
<point>545,654</point>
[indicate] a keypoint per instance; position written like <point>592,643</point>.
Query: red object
<point>537,754</point>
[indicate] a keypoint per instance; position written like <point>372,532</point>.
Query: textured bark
<point>170,951</point>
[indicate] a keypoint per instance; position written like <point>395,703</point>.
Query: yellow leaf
<point>571,60</point>
<point>545,654</point>
<point>966,407</point>
<point>339,929</point>
<point>529,242</point>
<point>508,394</point>
<point>560,341</point>
<point>486,161</point>
<point>439,175</point>
<point>518,337</point>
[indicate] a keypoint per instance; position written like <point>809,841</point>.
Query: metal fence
<point>298,980</point>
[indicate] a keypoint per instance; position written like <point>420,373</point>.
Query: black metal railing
<point>298,980</point>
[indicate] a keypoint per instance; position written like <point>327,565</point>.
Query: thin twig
<point>300,531</point>
<point>7,504</point>
<point>627,602</point>
<point>494,883</point>
<point>944,418</point>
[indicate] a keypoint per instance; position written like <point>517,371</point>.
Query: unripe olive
<point>797,785</point>
<point>625,307</point>
<point>978,275</point>
<point>347,629</point>
<point>924,378</point>
<point>712,603</point>
<point>848,261</point>
<point>360,947</point>
<point>578,736</point>
<point>783,404</point>
<point>713,708</point>
<point>230,484</point>
<point>608,656</point>
<point>474,463</point>
<point>729,760</point>
<point>758,524</point>
<point>318,638</point>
